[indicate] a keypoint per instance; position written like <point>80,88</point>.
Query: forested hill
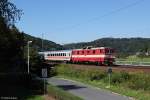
<point>121,45</point>
<point>37,43</point>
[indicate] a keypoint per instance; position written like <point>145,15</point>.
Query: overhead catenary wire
<point>106,14</point>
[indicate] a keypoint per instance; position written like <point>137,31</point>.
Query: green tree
<point>11,47</point>
<point>4,43</point>
<point>35,59</point>
<point>11,40</point>
<point>9,11</point>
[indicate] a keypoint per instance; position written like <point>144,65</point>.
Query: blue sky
<point>69,21</point>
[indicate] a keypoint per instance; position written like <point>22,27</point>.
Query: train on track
<point>98,55</point>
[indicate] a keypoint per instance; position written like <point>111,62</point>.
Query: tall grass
<point>133,81</point>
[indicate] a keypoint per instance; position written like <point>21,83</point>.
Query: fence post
<point>109,71</point>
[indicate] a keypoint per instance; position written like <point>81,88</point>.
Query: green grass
<point>60,94</point>
<point>135,85</point>
<point>134,58</point>
<point>136,94</point>
<point>37,97</point>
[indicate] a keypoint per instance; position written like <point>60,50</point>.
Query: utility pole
<point>44,70</point>
<point>28,44</point>
<point>42,41</point>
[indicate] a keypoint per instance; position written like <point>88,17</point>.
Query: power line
<point>108,14</point>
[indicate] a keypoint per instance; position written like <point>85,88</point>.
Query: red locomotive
<point>99,55</point>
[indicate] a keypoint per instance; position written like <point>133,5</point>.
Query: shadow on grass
<point>19,86</point>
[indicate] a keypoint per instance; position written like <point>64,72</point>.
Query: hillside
<point>123,46</point>
<point>47,44</point>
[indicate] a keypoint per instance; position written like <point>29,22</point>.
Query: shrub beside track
<point>136,85</point>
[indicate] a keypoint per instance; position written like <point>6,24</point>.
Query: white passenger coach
<point>62,55</point>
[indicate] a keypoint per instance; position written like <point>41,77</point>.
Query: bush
<point>86,74</point>
<point>96,75</point>
<point>140,81</point>
<point>133,81</point>
<point>126,76</point>
<point>117,78</point>
<point>52,72</point>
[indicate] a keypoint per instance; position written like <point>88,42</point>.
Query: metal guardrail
<point>134,63</point>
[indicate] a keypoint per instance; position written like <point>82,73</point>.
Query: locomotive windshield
<point>109,51</point>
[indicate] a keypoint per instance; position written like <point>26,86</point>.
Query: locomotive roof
<point>92,48</point>
<point>60,51</point>
<point>56,51</point>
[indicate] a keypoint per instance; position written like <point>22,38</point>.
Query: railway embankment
<point>136,85</point>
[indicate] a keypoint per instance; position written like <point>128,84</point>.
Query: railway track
<point>116,68</point>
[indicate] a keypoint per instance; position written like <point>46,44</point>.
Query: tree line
<point>13,43</point>
<point>123,46</point>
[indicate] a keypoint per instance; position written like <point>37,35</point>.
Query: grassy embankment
<point>135,60</point>
<point>136,85</point>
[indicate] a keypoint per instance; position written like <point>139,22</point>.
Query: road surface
<point>84,91</point>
